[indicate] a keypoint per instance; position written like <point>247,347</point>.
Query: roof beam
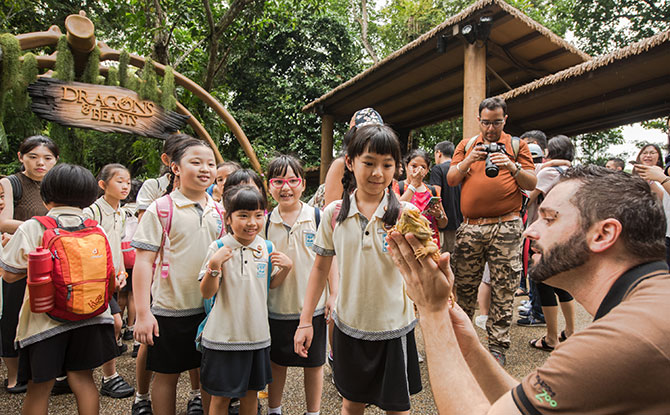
<point>520,63</point>
<point>520,41</point>
<point>549,55</point>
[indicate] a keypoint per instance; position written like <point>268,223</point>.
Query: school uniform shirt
<point>285,302</point>
<point>191,232</point>
<point>372,303</point>
<point>35,327</point>
<point>113,222</point>
<point>151,190</point>
<point>239,318</point>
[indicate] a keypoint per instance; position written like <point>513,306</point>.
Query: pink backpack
<point>164,210</point>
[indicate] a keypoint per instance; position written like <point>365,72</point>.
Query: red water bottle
<point>40,286</point>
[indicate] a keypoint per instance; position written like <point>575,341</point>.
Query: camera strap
<point>515,145</point>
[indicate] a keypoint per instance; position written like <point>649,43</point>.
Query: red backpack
<point>83,270</point>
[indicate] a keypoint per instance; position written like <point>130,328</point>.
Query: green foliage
<point>427,137</point>
<point>112,77</point>
<point>10,68</point>
<point>29,72</point>
<point>592,148</point>
<point>149,84</point>
<point>168,100</point>
<point>92,70</point>
<point>124,58</point>
<point>64,69</point>
<point>603,25</point>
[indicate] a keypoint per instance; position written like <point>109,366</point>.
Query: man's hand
<point>502,160</point>
<point>477,154</point>
<point>428,284</point>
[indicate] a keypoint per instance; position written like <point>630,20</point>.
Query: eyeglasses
<point>650,153</point>
<point>279,183</point>
<point>495,123</point>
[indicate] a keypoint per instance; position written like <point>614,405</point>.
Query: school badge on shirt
<point>309,237</point>
<point>261,270</point>
<point>385,244</point>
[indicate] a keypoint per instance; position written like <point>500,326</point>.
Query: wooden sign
<point>109,109</point>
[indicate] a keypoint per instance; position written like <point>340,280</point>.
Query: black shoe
<point>234,407</point>
<point>128,334</point>
<point>194,406</point>
<point>20,387</point>
<point>142,407</point>
<point>524,313</point>
<point>136,349</point>
<point>61,387</point>
<point>531,321</point>
<point>122,349</point>
<point>116,388</point>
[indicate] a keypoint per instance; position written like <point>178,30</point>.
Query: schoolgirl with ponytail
<point>375,353</point>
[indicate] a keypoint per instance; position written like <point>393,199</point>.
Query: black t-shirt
<point>451,196</point>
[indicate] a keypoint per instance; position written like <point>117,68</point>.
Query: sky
<point>635,134</point>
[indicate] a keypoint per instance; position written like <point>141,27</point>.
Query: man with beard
<point>492,226</point>
<point>597,237</point>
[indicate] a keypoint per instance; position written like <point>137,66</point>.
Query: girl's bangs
<point>247,198</point>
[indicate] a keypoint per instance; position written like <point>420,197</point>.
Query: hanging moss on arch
<point>91,73</point>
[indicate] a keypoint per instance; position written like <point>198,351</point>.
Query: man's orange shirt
<point>483,196</point>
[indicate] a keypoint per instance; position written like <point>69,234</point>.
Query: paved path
<point>521,359</point>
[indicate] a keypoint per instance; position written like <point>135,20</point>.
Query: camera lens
<point>491,169</point>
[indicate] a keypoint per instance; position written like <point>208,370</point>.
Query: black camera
<point>491,169</point>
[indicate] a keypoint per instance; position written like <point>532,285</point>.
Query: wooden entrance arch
<point>81,38</point>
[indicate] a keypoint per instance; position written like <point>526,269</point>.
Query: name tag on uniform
<point>309,238</point>
<point>261,270</point>
<point>385,244</point>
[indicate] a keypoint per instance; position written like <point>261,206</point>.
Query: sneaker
<point>122,348</point>
<point>525,303</point>
<point>142,407</point>
<point>524,313</point>
<point>20,387</point>
<point>523,307</point>
<point>61,387</point>
<point>116,388</point>
<point>128,334</point>
<point>531,321</point>
<point>194,406</point>
<point>500,357</point>
<point>136,349</point>
<point>480,321</point>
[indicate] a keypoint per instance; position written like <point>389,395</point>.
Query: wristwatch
<point>213,272</point>
<point>518,169</point>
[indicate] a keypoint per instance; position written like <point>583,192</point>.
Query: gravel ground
<point>521,359</point>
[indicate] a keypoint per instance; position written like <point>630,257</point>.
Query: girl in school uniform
<point>292,228</point>
<point>49,348</point>
<point>114,182</point>
<point>236,337</point>
<point>37,154</point>
<point>170,308</point>
<point>375,352</point>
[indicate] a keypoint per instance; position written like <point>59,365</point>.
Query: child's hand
<point>5,238</point>
<point>222,255</point>
<point>330,307</point>
<point>302,340</point>
<point>145,329</point>
<point>281,260</point>
<point>121,280</point>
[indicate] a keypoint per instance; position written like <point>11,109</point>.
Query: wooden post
<point>474,86</point>
<point>327,122</point>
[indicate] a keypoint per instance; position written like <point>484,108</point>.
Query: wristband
<point>458,167</point>
<point>667,179</point>
<point>518,170</point>
<point>306,326</point>
<point>411,187</point>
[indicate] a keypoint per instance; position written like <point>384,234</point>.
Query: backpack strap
<point>267,224</point>
<point>47,221</point>
<point>268,244</point>
<point>516,142</point>
<point>317,217</point>
<point>433,192</point>
<point>17,187</point>
<point>470,143</point>
<point>401,187</point>
<point>223,222</point>
<point>164,211</point>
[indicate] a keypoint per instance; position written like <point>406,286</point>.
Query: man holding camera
<point>493,168</point>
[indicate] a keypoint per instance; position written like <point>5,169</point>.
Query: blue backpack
<point>209,302</point>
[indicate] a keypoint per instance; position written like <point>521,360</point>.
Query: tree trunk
<point>363,21</point>
<point>161,38</point>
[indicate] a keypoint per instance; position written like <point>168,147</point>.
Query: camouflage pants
<point>499,244</point>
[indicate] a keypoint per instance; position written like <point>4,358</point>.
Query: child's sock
<point>108,378</point>
<point>61,378</point>
<point>276,410</point>
<point>195,393</point>
<point>142,397</point>
<point>312,413</point>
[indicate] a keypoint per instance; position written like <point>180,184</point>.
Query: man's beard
<point>561,258</point>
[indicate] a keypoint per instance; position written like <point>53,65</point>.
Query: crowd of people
<point>205,278</point>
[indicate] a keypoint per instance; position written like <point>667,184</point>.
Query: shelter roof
<point>628,85</point>
<point>419,84</point>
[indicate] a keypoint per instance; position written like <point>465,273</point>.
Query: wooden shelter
<point>487,49</point>
<point>629,85</point>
